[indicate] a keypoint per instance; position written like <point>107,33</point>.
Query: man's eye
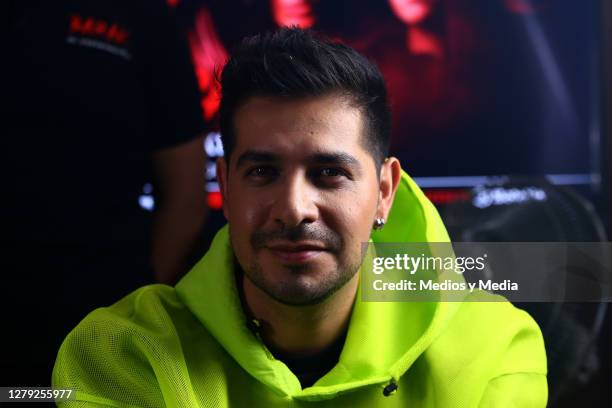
<point>261,172</point>
<point>331,172</point>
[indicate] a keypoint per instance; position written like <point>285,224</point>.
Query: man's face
<point>300,195</point>
<point>412,11</point>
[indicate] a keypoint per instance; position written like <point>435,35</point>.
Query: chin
<point>299,296</point>
<point>296,285</point>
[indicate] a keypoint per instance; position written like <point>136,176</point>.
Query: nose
<point>296,202</point>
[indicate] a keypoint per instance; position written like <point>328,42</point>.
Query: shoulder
<point>490,353</point>
<point>120,355</point>
<point>499,336</point>
<point>148,310</point>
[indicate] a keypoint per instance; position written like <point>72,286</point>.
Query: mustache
<point>303,232</point>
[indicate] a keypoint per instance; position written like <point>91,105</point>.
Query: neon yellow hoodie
<point>189,346</point>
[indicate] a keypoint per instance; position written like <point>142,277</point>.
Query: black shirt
<point>309,369</point>
<point>94,86</point>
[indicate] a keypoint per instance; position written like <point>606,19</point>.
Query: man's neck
<point>300,331</point>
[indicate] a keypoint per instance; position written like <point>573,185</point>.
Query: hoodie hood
<point>383,340</point>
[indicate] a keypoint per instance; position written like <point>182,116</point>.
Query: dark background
<point>513,95</point>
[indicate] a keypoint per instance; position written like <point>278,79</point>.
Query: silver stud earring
<point>379,223</point>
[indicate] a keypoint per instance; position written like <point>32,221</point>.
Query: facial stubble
<point>302,285</point>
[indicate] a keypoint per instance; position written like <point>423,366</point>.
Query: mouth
<point>296,252</point>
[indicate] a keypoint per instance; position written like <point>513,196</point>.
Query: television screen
<point>478,88</point>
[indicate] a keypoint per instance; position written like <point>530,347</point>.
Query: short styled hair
<point>294,63</point>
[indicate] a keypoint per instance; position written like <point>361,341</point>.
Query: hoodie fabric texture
<point>189,346</point>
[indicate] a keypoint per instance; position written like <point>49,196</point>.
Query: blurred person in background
<point>102,99</point>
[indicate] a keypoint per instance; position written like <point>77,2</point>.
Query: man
<point>272,316</point>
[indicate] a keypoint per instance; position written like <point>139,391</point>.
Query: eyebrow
<point>255,156</point>
<point>341,158</point>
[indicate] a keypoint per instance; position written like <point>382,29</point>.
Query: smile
<point>296,253</point>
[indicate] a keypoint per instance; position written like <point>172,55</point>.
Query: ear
<point>390,175</point>
<point>222,174</point>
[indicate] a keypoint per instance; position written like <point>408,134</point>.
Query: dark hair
<point>296,63</point>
